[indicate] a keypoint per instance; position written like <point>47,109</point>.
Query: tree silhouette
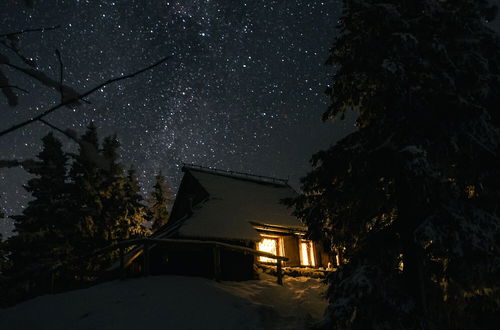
<point>411,197</point>
<point>159,201</point>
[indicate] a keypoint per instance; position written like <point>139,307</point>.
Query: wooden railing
<point>145,245</point>
<point>142,246</point>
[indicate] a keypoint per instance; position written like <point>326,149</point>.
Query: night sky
<point>243,91</point>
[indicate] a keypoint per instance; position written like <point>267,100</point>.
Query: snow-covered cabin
<point>235,208</point>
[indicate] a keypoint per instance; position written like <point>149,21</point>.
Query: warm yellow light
<point>269,245</point>
<point>306,253</point>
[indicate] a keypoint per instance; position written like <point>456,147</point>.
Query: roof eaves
<point>237,175</point>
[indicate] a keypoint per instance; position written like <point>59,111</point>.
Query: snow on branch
<point>76,98</point>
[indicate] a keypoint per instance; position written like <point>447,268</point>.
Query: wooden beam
<point>147,243</point>
<point>279,272</point>
<point>145,257</point>
<point>122,263</point>
<point>224,246</point>
<point>217,264</point>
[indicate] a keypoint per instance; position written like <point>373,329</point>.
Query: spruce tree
<point>41,231</point>
<point>85,197</point>
<point>3,253</point>
<point>134,217</point>
<point>107,201</point>
<point>3,257</point>
<point>123,215</point>
<point>159,201</point>
<point>410,199</point>
<point>111,191</point>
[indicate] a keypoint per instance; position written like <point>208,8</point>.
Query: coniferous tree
<point>3,253</point>
<point>411,197</point>
<point>3,256</point>
<point>85,200</point>
<point>159,201</point>
<point>107,200</point>
<point>41,231</point>
<point>123,215</point>
<point>134,217</point>
<point>112,191</point>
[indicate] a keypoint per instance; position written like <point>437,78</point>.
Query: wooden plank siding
<point>291,245</point>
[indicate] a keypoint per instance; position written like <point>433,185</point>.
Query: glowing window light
<point>306,253</point>
<point>269,245</point>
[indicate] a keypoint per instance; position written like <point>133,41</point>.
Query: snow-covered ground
<point>175,302</point>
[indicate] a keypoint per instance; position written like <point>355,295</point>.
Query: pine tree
<point>159,202</point>
<point>410,198</point>
<point>108,200</point>
<point>85,197</point>
<point>3,252</point>
<point>134,218</point>
<point>41,239</point>
<point>3,256</point>
<point>111,191</point>
<point>123,215</point>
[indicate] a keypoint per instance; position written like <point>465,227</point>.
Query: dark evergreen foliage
<point>134,214</point>
<point>107,200</point>
<point>77,210</point>
<point>410,199</point>
<point>41,237</point>
<point>3,253</point>
<point>3,256</point>
<point>85,201</point>
<point>159,202</point>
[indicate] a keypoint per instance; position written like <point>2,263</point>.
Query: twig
<point>54,127</point>
<point>10,46</point>
<point>15,87</point>
<point>44,79</point>
<point>30,30</point>
<point>58,54</point>
<point>80,97</point>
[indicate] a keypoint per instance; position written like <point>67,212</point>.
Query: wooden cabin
<point>233,208</point>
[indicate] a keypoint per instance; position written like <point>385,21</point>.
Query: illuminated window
<point>306,253</point>
<point>269,245</point>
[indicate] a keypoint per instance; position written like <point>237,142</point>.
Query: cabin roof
<point>235,202</point>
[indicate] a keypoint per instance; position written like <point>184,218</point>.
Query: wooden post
<point>279,272</point>
<point>122,264</point>
<point>146,258</point>
<point>217,266</point>
<point>52,281</point>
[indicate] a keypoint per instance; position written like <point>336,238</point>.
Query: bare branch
<point>13,47</point>
<point>69,92</point>
<point>58,54</point>
<point>12,34</point>
<point>64,132</point>
<point>15,87</point>
<point>80,97</point>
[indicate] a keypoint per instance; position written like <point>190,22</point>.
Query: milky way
<point>244,89</point>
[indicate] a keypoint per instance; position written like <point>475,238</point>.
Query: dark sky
<point>244,89</point>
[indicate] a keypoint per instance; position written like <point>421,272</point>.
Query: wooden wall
<point>291,244</point>
<point>196,261</point>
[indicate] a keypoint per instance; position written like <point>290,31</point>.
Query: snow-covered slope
<point>174,302</point>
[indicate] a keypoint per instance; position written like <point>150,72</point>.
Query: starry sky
<point>243,90</point>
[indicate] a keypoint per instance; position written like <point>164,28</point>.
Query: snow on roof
<point>234,202</point>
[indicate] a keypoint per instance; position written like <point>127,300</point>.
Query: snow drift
<point>174,302</point>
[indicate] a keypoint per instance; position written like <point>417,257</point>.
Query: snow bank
<point>174,302</point>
